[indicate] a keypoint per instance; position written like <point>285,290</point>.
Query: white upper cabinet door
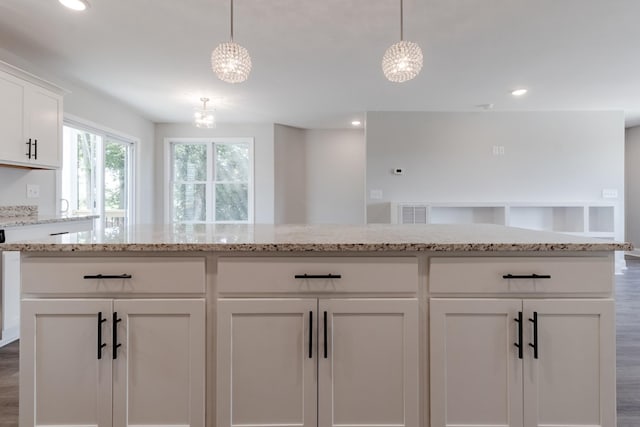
<point>368,374</point>
<point>572,381</point>
<point>476,371</point>
<point>159,368</point>
<point>267,353</point>
<point>13,141</point>
<point>44,126</point>
<point>62,380</point>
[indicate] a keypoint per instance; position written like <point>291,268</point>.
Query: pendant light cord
<point>231,20</point>
<point>401,21</point>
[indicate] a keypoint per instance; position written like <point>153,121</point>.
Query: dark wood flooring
<point>628,356</point>
<point>628,344</point>
<point>9,385</point>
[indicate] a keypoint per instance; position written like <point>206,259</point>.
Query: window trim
<point>105,132</point>
<point>168,170</point>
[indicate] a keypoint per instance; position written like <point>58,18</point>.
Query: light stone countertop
<point>17,221</point>
<point>316,238</point>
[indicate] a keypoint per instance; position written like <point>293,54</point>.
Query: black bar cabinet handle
<point>58,234</point>
<point>35,149</point>
<point>108,276</point>
<point>325,334</point>
<point>115,334</point>
<point>310,334</point>
<point>318,276</point>
<point>535,334</point>
<point>527,276</point>
<point>101,345</point>
<point>519,343</point>
<point>29,152</point>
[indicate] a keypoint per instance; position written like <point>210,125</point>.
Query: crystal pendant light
<point>230,61</point>
<point>204,118</point>
<point>403,60</point>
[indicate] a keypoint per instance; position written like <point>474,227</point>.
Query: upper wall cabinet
<point>30,120</point>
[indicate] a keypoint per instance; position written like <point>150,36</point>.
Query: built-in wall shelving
<point>594,219</point>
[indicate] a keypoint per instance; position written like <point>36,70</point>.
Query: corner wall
<point>632,178</point>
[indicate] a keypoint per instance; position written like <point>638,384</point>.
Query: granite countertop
<point>315,238</point>
<point>18,215</point>
<point>16,221</point>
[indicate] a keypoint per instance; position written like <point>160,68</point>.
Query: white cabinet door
<point>10,296</point>
<point>476,372</point>
<point>12,132</point>
<point>369,373</point>
<point>572,382</point>
<point>44,126</point>
<point>267,350</point>
<point>62,380</point>
<point>159,369</point>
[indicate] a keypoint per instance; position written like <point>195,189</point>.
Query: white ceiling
<point>316,63</point>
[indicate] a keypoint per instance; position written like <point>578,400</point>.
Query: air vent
<point>413,214</point>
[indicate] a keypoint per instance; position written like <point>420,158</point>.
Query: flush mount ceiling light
<point>519,92</point>
<point>78,5</point>
<point>356,123</point>
<point>403,60</point>
<point>230,61</point>
<point>204,118</point>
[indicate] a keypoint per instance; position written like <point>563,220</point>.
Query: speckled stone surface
<point>18,211</point>
<point>16,221</point>
<point>316,238</point>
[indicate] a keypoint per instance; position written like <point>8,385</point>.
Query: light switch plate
<point>375,194</point>
<point>609,193</point>
<point>33,191</point>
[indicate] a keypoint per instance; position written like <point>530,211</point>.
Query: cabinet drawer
<point>278,275</point>
<point>590,274</point>
<point>148,275</point>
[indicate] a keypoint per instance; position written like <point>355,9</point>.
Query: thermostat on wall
<point>398,171</point>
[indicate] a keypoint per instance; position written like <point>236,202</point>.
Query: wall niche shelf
<point>593,219</point>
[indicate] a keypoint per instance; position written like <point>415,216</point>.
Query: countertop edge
<point>22,221</point>
<point>316,247</point>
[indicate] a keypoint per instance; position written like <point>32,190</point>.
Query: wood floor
<point>628,356</point>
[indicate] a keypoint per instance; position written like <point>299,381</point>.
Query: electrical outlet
<point>375,194</point>
<point>33,191</point>
<point>498,150</point>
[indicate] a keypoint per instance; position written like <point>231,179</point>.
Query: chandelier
<point>230,61</point>
<point>204,118</point>
<point>403,60</point>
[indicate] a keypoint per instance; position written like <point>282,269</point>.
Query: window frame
<point>106,134</point>
<point>210,182</point>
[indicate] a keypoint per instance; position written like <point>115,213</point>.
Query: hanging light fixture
<point>403,60</point>
<point>204,118</point>
<point>230,61</point>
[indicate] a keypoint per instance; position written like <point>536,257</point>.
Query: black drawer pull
<point>101,345</point>
<point>527,276</point>
<point>108,276</point>
<point>35,149</point>
<point>318,276</point>
<point>28,154</point>
<point>58,234</point>
<point>116,320</point>
<point>519,343</point>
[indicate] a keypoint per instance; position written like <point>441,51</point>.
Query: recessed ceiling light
<point>75,4</point>
<point>518,92</point>
<point>356,122</point>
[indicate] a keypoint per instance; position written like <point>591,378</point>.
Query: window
<point>210,181</point>
<point>97,174</point>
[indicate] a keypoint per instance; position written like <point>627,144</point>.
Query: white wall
<point>448,157</point>
<point>96,107</point>
<point>632,178</point>
<point>290,175</point>
<point>263,153</point>
<point>319,176</point>
<point>335,176</point>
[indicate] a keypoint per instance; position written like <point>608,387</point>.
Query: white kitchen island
<point>262,325</point>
